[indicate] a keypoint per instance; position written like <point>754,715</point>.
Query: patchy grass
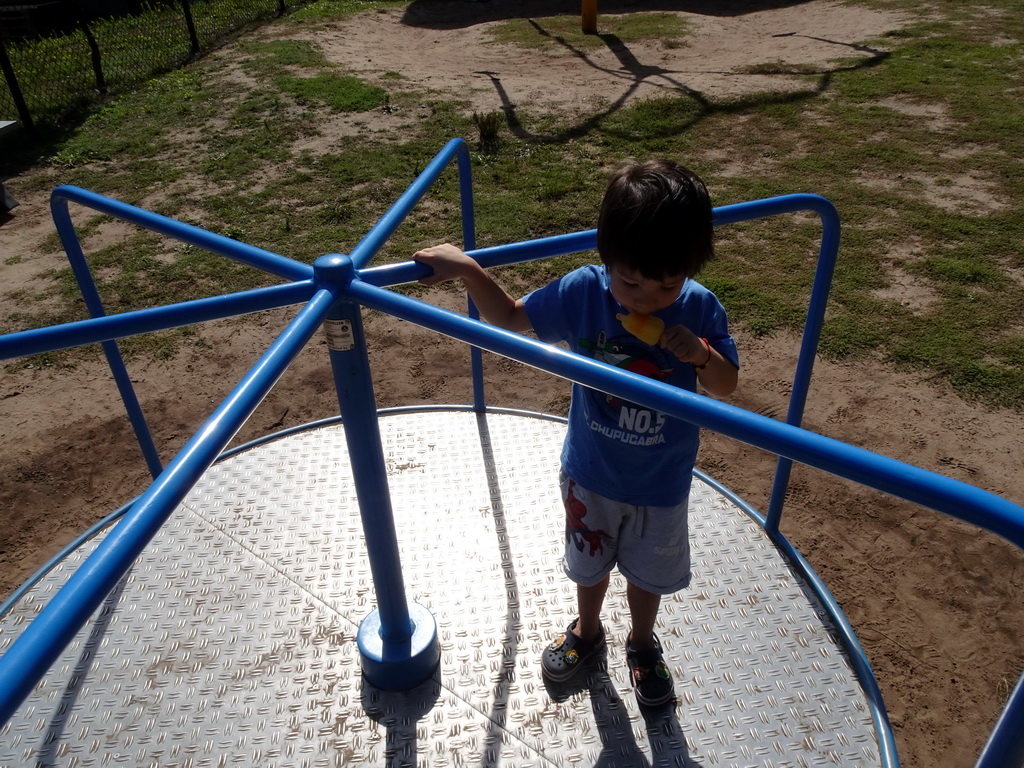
<point>551,32</point>
<point>917,145</point>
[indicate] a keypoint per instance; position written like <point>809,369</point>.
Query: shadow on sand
<point>633,73</point>
<point>453,14</point>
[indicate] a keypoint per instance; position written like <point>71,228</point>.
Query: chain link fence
<point>59,57</point>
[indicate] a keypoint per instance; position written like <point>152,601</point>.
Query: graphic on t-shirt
<point>576,531</point>
<point>624,421</point>
<point>628,355</point>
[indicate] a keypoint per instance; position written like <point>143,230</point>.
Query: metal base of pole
<point>403,665</point>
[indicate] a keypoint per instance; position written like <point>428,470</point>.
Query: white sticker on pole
<point>339,335</point>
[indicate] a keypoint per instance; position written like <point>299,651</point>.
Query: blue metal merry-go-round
<point>375,589</point>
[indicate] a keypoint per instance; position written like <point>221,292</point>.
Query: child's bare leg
<point>590,600</point>
<point>648,672</point>
<point>643,611</point>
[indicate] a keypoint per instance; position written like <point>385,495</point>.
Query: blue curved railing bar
<point>274,263</point>
<point>337,286</point>
<point>368,247</point>
<point>894,477</point>
<point>242,252</point>
<point>110,327</point>
<point>42,641</point>
<point>858,657</point>
<point>558,245</point>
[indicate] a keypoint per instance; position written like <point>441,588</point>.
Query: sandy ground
<point>935,603</point>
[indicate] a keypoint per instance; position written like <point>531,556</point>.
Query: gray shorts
<point>650,545</point>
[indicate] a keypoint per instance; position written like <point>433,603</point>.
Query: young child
<point>626,470</point>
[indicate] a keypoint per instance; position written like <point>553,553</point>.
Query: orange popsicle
<point>647,328</point>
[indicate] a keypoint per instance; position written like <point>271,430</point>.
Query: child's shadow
<point>611,718</point>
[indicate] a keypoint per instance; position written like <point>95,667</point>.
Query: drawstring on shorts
<point>640,521</point>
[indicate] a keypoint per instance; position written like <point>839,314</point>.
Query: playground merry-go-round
<point>376,589</point>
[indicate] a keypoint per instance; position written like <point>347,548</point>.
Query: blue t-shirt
<point>622,450</point>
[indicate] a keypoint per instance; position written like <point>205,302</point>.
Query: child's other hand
<point>684,344</point>
<point>716,374</point>
<point>447,261</point>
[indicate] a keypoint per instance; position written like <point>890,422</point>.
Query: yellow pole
<point>589,17</point>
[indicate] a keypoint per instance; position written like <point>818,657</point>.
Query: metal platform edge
<point>849,644</point>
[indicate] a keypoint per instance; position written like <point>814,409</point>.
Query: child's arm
<point>716,374</point>
<point>496,306</point>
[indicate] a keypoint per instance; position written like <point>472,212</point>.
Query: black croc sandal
<point>652,681</point>
<point>568,654</point>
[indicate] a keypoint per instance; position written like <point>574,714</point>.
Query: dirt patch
<point>935,603</point>
<point>448,48</point>
<point>969,193</point>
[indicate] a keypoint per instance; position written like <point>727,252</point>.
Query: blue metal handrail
<point>338,283</point>
<point>395,274</point>
<point>246,254</point>
<point>905,481</point>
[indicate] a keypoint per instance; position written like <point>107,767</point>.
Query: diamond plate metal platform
<point>232,640</point>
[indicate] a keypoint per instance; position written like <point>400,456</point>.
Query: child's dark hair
<point>656,220</point>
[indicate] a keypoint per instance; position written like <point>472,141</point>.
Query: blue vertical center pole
<point>397,641</point>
